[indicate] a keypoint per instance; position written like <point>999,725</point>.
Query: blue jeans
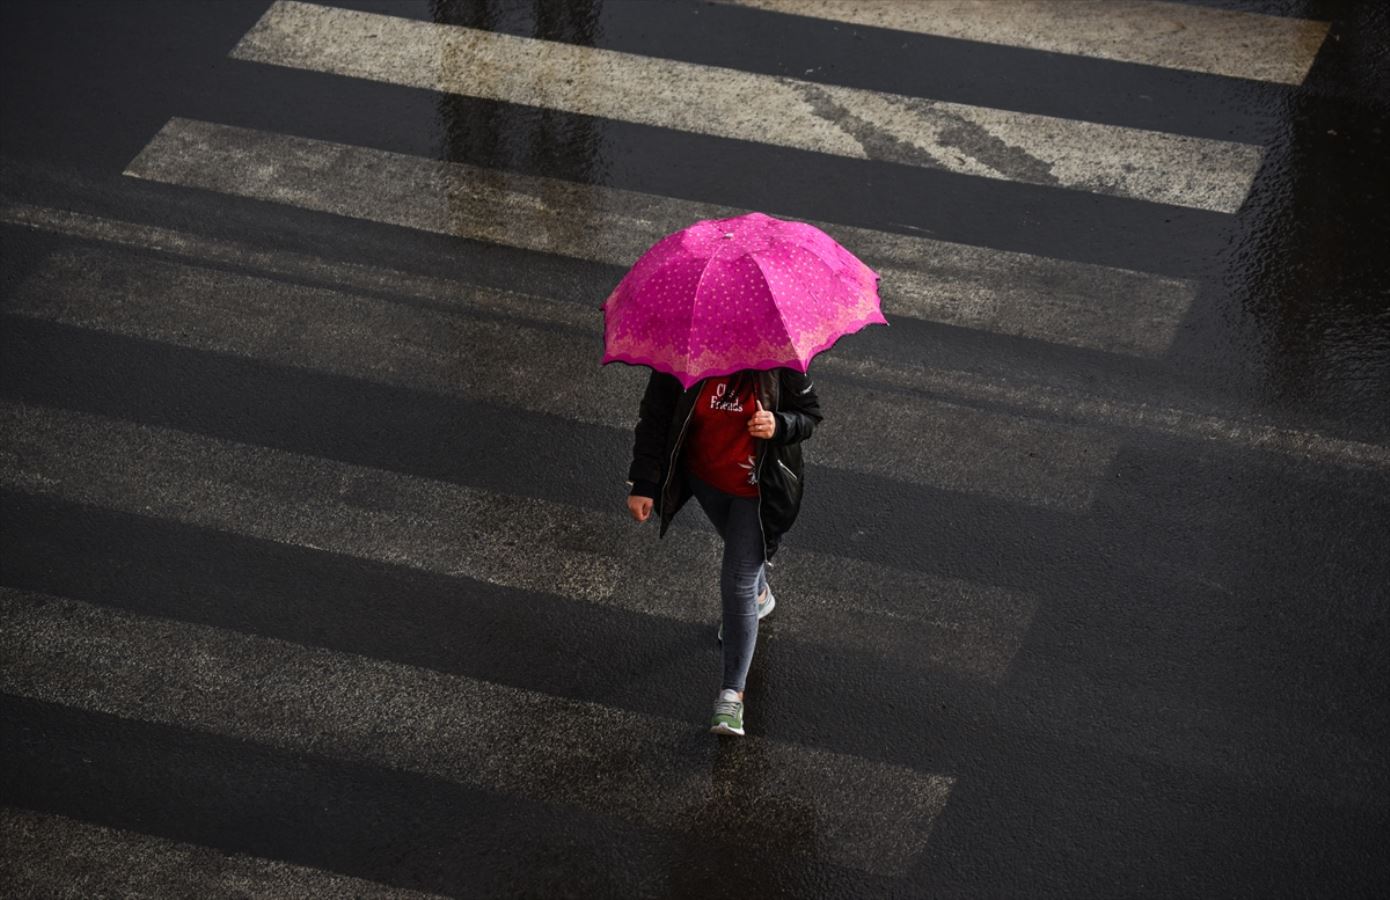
<point>742,575</point>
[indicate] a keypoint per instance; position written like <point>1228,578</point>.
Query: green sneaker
<point>764,610</point>
<point>728,714</point>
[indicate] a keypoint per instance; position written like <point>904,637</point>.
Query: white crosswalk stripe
<point>520,542</point>
<point>933,442</point>
<point>842,121</point>
<point>54,856</point>
<point>1032,399</point>
<point>868,815</point>
<point>1083,305</point>
<point>1186,36</point>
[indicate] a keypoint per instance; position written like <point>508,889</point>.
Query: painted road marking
<point>1078,304</point>
<point>931,441</point>
<point>49,855</point>
<point>1169,35</point>
<point>729,103</point>
<point>1031,399</point>
<point>591,556</point>
<point>659,772</point>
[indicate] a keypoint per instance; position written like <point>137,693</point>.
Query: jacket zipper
<point>788,470</point>
<point>671,467</point>
<point>761,531</point>
<point>758,470</point>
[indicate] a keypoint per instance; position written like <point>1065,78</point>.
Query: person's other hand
<point>762,424</point>
<point>640,507</point>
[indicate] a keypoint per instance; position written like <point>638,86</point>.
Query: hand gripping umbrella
<point>748,292</point>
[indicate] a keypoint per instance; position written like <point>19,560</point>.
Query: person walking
<point>734,443</point>
<point>728,313</point>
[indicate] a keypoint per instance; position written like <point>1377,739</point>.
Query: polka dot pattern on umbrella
<point>747,292</point>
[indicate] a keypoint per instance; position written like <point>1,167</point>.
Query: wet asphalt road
<point>315,575</point>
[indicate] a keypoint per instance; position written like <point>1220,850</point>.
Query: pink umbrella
<point>748,292</point>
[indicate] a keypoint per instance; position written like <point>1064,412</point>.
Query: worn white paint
<point>1187,36</point>
<point>1097,307</point>
<point>730,103</point>
<point>931,441</point>
<point>1064,403</point>
<point>654,771</point>
<point>591,556</point>
<point>55,856</point>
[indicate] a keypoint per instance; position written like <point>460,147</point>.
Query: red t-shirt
<point>719,449</point>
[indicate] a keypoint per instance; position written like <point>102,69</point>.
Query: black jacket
<point>658,469</point>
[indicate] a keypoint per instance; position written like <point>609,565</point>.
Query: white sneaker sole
<point>721,728</point>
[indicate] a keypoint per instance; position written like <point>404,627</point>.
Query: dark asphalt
<point>1200,704</point>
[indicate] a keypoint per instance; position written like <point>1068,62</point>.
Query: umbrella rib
<point>791,341</point>
<point>820,300</point>
<point>696,299</point>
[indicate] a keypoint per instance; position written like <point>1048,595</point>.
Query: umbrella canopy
<point>748,292</point>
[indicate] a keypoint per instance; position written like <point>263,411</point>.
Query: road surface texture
<point>317,579</point>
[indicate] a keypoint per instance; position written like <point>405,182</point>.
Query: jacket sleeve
<point>800,409</point>
<point>649,441</point>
